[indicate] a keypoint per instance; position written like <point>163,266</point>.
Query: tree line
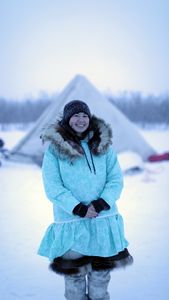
<point>26,111</point>
<point>143,110</point>
<point>138,108</point>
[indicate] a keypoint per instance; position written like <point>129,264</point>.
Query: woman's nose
<point>81,119</point>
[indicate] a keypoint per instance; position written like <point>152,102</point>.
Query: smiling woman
<point>83,179</point>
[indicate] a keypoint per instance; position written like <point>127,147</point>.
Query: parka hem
<point>97,237</point>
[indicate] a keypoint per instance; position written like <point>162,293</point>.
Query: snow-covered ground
<point>25,214</point>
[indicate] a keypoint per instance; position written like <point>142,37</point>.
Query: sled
<point>159,157</point>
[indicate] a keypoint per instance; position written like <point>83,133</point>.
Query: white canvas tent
<point>125,134</point>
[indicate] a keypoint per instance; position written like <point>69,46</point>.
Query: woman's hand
<point>91,212</point>
<point>85,211</point>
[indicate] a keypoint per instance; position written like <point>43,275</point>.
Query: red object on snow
<point>159,157</point>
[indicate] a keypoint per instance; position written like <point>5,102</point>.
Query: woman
<point>82,178</point>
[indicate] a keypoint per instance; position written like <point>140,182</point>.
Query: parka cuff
<point>80,210</point>
<point>100,204</point>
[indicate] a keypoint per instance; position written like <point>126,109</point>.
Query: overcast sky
<point>118,45</point>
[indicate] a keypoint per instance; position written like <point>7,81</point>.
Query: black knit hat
<point>74,107</point>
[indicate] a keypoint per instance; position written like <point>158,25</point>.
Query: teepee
<point>125,134</point>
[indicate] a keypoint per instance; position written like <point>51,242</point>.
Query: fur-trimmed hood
<point>67,144</point>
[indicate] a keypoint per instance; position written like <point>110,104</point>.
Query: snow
<point>26,213</point>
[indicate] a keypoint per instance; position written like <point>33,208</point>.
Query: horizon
<point>49,95</point>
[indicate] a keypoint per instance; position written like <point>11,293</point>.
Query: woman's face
<point>79,122</point>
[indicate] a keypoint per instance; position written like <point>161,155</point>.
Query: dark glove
<point>100,204</point>
<point>80,210</point>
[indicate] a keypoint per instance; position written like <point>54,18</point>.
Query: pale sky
<point>118,45</point>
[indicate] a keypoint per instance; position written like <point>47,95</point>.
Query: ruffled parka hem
<point>72,266</point>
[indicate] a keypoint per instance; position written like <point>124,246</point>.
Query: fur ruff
<point>67,145</point>
<point>122,259</point>
<point>69,266</point>
<point>72,266</point>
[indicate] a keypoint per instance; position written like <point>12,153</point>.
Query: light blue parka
<point>71,177</point>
